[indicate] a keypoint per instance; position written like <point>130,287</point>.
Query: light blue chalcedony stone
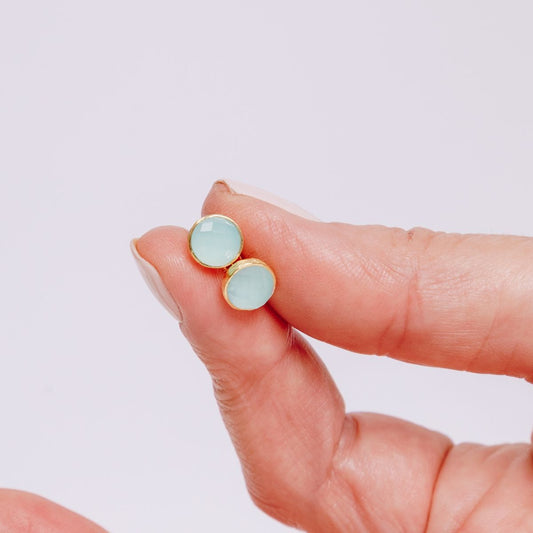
<point>216,241</point>
<point>250,287</point>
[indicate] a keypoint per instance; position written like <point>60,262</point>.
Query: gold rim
<point>199,221</point>
<point>237,267</point>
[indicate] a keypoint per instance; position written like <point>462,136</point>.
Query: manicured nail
<point>155,283</point>
<point>249,190</point>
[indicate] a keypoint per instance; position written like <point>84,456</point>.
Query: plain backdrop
<point>116,116</point>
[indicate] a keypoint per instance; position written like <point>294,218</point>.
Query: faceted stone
<point>250,286</point>
<point>216,241</point>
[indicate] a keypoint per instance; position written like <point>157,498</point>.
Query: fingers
<point>21,512</point>
<point>305,462</point>
<point>484,488</point>
<point>456,301</point>
<point>279,403</point>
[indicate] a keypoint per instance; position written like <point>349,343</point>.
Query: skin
<point>22,512</point>
<point>447,300</point>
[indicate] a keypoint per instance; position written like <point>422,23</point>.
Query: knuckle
<point>415,245</point>
<point>273,507</point>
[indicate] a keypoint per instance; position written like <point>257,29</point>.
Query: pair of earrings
<point>216,241</point>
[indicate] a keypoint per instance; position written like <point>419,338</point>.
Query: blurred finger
<point>22,512</point>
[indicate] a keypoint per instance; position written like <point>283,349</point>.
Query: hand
<point>456,301</point>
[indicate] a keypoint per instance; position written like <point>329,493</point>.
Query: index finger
<point>432,298</point>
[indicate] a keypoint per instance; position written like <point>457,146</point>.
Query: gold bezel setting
<point>237,267</point>
<point>199,221</point>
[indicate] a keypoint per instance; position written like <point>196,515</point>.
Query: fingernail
<point>249,190</point>
<point>155,283</point>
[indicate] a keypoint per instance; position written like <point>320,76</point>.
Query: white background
<point>116,116</point>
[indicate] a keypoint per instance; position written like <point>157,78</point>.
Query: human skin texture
<point>447,300</point>
<point>22,512</point>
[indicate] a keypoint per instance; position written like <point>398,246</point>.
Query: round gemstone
<point>215,241</point>
<point>250,285</point>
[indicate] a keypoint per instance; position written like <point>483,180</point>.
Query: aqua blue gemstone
<point>250,287</point>
<point>216,241</point>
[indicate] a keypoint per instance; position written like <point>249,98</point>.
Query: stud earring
<point>249,284</point>
<point>216,241</point>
